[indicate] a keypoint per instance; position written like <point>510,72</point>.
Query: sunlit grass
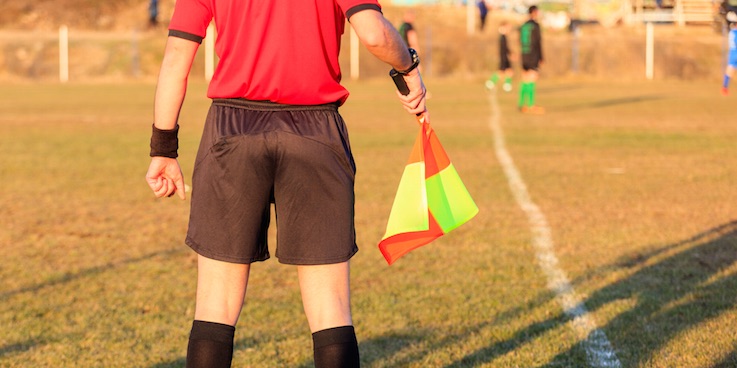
<point>636,182</point>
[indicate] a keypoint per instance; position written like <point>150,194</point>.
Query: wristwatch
<point>415,63</point>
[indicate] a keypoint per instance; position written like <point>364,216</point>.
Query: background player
<point>532,58</point>
<point>732,56</point>
<point>505,64</point>
<point>408,32</point>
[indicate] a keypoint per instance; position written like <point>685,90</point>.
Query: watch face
<point>415,59</point>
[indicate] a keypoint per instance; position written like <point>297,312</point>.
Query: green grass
<point>637,182</point>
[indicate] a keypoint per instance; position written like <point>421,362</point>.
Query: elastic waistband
<point>271,106</point>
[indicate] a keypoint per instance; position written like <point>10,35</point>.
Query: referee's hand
<point>414,102</point>
<point>164,177</point>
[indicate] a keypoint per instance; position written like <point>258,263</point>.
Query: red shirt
<point>284,51</point>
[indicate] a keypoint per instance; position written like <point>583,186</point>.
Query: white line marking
<point>599,351</point>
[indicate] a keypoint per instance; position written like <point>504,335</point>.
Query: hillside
<point>112,39</point>
<point>79,14</point>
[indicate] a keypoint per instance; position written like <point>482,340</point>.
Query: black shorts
<point>253,154</point>
<point>530,64</point>
<point>504,63</point>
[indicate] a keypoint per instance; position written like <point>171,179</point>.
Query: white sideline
<point>599,351</point>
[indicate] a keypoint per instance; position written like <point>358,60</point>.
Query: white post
<point>63,54</point>
<point>470,16</point>
<point>210,52</point>
<point>135,55</point>
<point>649,53</point>
<point>679,13</point>
<point>354,54</point>
<point>574,47</point>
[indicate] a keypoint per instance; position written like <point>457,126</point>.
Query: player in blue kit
<point>732,57</point>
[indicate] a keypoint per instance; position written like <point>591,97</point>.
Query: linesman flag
<point>431,199</point>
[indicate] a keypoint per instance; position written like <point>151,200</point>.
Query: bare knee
<point>326,295</point>
<point>221,289</point>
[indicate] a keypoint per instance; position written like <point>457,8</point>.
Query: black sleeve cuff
<point>361,7</point>
<point>185,35</point>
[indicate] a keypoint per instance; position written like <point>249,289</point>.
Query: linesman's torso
<point>283,51</point>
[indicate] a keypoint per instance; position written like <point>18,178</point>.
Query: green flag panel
<point>449,200</point>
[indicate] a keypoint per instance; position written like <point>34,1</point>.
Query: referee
<point>273,135</point>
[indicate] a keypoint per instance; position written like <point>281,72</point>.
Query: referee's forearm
<point>393,53</point>
<point>381,39</point>
<point>170,94</point>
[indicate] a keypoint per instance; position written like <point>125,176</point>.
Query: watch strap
<point>415,62</point>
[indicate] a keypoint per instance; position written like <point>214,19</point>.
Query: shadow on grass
<point>520,338</point>
<point>19,347</point>
<point>729,361</point>
<point>672,294</point>
<point>181,362</point>
<point>404,347</point>
<point>560,88</point>
<point>675,288</point>
<point>88,272</point>
<point>372,350</point>
<point>605,103</point>
<point>389,345</point>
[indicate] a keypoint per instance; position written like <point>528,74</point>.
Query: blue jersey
<point>732,42</point>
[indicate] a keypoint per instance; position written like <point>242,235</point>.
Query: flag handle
<point>422,118</point>
<point>403,89</point>
<point>399,82</point>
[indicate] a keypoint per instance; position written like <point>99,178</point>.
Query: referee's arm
<point>164,175</point>
<point>172,84</point>
<point>383,41</point>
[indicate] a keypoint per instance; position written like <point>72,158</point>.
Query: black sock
<point>336,348</point>
<point>210,345</point>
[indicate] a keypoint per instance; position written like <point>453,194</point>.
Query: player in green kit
<point>532,58</point>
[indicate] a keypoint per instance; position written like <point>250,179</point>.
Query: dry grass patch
<point>636,182</point>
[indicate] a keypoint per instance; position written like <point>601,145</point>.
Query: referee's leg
<point>221,288</point>
<point>327,304</point>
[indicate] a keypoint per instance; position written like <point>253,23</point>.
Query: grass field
<point>636,181</point>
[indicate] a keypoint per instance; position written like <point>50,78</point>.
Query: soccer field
<point>635,182</point>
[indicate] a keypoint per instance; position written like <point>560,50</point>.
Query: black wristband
<point>165,143</point>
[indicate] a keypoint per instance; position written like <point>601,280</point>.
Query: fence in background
<point>652,51</point>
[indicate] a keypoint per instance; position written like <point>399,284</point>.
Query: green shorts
<point>253,154</point>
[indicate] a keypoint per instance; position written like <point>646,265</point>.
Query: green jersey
<point>531,43</point>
